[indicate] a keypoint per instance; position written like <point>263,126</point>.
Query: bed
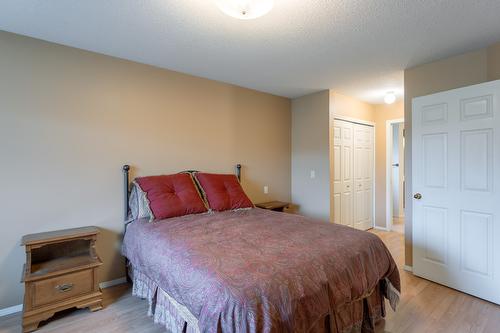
<point>254,270</point>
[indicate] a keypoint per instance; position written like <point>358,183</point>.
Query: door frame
<point>388,171</point>
<point>361,122</point>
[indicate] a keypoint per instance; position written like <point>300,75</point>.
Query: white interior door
<point>363,177</point>
<point>343,185</point>
<point>456,182</point>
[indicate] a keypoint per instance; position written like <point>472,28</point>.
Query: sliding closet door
<point>363,177</point>
<point>343,172</point>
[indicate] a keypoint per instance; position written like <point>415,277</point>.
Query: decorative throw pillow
<point>198,188</point>
<point>138,203</point>
<point>171,196</point>
<point>222,192</point>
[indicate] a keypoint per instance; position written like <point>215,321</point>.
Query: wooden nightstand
<point>60,273</point>
<point>277,206</point>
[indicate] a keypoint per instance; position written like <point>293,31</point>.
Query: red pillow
<point>223,192</point>
<point>171,195</point>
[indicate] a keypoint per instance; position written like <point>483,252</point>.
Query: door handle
<point>396,165</point>
<point>418,196</point>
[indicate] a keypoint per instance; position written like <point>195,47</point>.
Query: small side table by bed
<point>60,273</point>
<point>277,206</point>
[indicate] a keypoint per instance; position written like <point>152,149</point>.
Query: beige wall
<point>383,113</point>
<point>494,62</point>
<point>69,120</point>
<point>459,71</point>
<point>346,106</point>
<point>310,152</point>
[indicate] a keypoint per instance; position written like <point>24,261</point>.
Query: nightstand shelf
<point>61,265</point>
<point>60,273</point>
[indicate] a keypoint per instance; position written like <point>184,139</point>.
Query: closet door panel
<point>337,172</point>
<point>353,174</point>
<point>343,172</point>
<point>363,165</point>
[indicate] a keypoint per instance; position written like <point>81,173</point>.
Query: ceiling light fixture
<point>245,9</point>
<point>389,97</point>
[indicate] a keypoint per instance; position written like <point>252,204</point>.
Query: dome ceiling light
<point>389,97</point>
<point>245,9</point>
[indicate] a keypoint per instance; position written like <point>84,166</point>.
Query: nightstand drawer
<point>61,287</point>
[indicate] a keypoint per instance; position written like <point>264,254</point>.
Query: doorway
<point>395,182</point>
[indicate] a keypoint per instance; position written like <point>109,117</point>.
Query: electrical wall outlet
<point>266,189</point>
<point>313,174</point>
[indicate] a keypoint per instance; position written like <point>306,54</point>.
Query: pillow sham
<point>222,192</point>
<point>171,196</point>
<point>138,203</point>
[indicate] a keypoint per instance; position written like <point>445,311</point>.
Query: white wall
<point>310,152</point>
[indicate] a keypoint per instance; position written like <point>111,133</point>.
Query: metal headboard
<point>126,187</point>
<point>126,190</point>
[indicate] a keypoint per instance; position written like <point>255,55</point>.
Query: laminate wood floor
<point>424,307</point>
<point>398,224</point>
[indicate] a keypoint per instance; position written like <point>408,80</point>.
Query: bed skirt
<point>360,315</point>
<point>164,309</point>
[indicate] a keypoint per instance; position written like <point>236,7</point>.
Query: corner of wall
<point>310,135</point>
<point>493,62</point>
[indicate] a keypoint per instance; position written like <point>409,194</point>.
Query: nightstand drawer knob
<point>62,288</point>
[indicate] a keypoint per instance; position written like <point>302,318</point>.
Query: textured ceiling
<point>358,47</point>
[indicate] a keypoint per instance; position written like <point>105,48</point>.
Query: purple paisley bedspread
<point>262,271</point>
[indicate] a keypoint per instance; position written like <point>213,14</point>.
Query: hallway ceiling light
<point>245,9</point>
<point>389,97</point>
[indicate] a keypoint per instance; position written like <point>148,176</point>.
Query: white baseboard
<point>11,310</point>
<point>408,268</point>
<point>112,283</point>
<point>103,285</point>
<point>380,228</point>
